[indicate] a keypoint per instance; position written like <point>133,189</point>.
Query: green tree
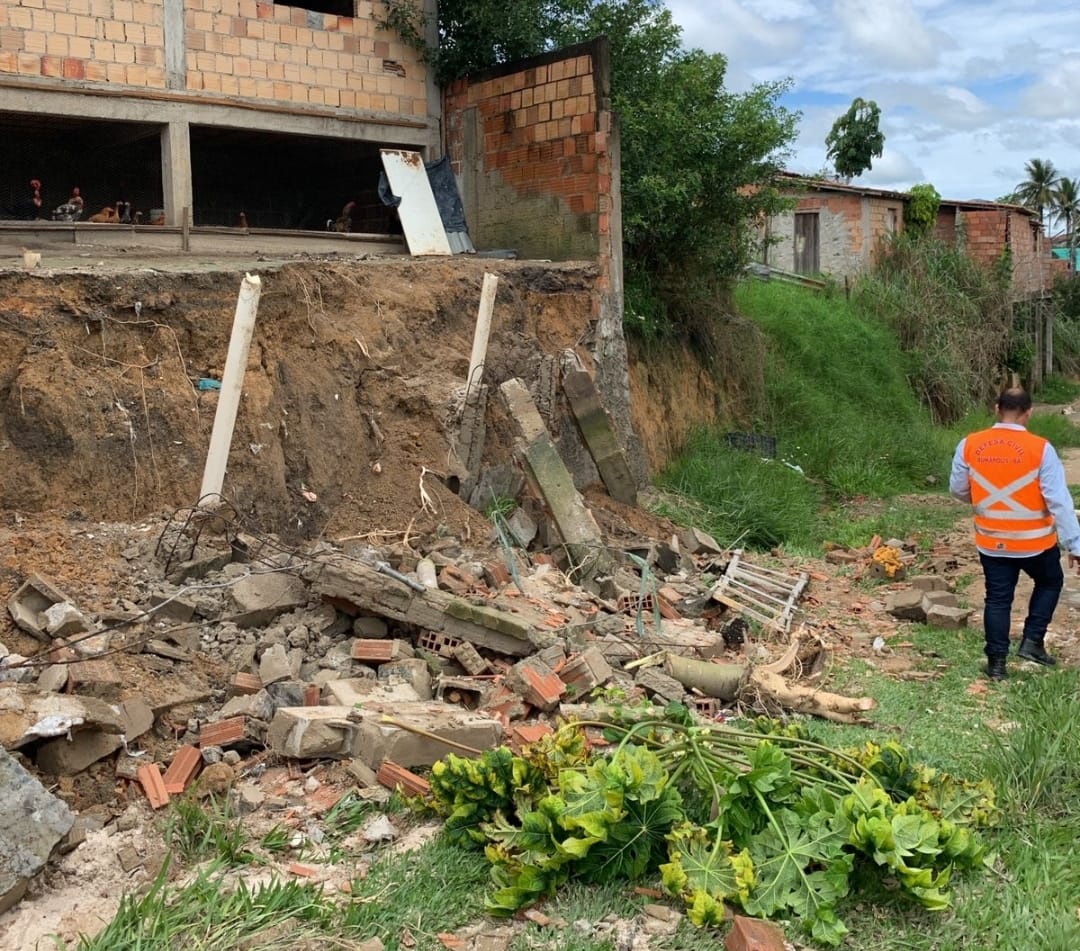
<point>1067,211</point>
<point>697,160</point>
<point>1037,190</point>
<point>920,214</point>
<point>855,139</point>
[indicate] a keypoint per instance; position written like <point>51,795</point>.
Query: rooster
<point>32,205</point>
<point>72,209</point>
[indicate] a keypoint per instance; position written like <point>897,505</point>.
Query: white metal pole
<point>483,329</point>
<point>232,385</point>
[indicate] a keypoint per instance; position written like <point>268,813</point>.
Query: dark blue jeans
<point>1001,575</point>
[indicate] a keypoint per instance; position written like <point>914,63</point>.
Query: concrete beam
<point>164,107</point>
<point>575,522</point>
<point>597,430</point>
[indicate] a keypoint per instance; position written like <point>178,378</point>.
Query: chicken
<point>72,209</point>
<point>32,206</point>
<point>344,220</point>
<point>108,215</point>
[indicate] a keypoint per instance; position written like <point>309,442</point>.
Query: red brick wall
<point>987,235</point>
<point>240,48</point>
<point>530,144</point>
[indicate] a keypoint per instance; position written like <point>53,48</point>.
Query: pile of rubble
<point>384,659</point>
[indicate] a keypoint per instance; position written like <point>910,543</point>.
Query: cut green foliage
<point>777,824</point>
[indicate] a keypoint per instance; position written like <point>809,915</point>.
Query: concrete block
<point>929,583</point>
<point>275,665</point>
<point>377,741</point>
<point>312,732</point>
<point>597,429</point>
<point>65,620</point>
<point>948,618</point>
<point>358,691</point>
<point>906,605</point>
<point>27,605</point>
<point>259,598</point>
<point>696,542</point>
<point>27,715</point>
<point>941,599</point>
<point>666,689</point>
<point>413,671</point>
<point>25,845</point>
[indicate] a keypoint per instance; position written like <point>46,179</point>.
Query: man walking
<point>1016,483</point>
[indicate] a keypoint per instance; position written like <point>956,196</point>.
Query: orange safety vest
<point>1010,511</point>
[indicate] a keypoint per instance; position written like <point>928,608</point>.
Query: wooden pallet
<point>763,594</point>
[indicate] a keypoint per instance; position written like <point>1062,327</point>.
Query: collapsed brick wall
<point>530,146</point>
<point>240,48</point>
<point>535,150</point>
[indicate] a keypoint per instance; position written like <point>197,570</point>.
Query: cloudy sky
<point>969,90</point>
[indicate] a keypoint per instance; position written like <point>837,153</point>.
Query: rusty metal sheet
<point>420,220</point>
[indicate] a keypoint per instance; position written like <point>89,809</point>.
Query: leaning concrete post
<point>480,337</point>
<point>232,385</point>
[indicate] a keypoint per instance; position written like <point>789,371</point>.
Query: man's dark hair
<point>1014,400</point>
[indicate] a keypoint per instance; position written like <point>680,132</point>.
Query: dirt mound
<point>352,384</point>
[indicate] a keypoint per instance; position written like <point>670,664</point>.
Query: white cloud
<point>969,91</point>
<point>889,32</point>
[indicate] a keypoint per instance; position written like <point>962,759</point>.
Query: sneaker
<point>1029,650</point>
<point>995,667</point>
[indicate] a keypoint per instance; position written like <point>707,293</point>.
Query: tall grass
<point>846,423</point>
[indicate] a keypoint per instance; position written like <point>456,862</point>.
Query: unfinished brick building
<point>216,106</point>
<point>836,229</point>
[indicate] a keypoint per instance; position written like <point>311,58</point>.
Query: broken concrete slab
<point>261,597</point>
<point>660,685</point>
<point>28,715</point>
<point>275,665</point>
<point>32,823</point>
<point>597,430</point>
<point>572,517</point>
<point>410,670</point>
<point>27,605</point>
<point>348,582</point>
<point>68,755</point>
<point>356,691</point>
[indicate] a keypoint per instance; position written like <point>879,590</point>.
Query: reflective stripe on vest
<point>1010,512</point>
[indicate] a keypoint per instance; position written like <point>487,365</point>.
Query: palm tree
<point>1067,210</point>
<point>1037,191</point>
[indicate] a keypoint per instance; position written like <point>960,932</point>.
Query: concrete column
<point>176,171</point>
<point>175,44</point>
<point>434,93</point>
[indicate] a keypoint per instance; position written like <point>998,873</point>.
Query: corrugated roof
<point>825,184</point>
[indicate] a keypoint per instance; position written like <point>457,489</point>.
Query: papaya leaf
<point>800,870</point>
<point>700,864</point>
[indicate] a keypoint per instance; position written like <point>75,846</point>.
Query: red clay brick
<point>182,770</point>
<point>753,934</point>
<point>544,690</point>
<point>525,733</point>
<point>223,733</point>
<point>149,776</point>
<point>243,683</point>
<point>393,776</point>
<point>374,652</point>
